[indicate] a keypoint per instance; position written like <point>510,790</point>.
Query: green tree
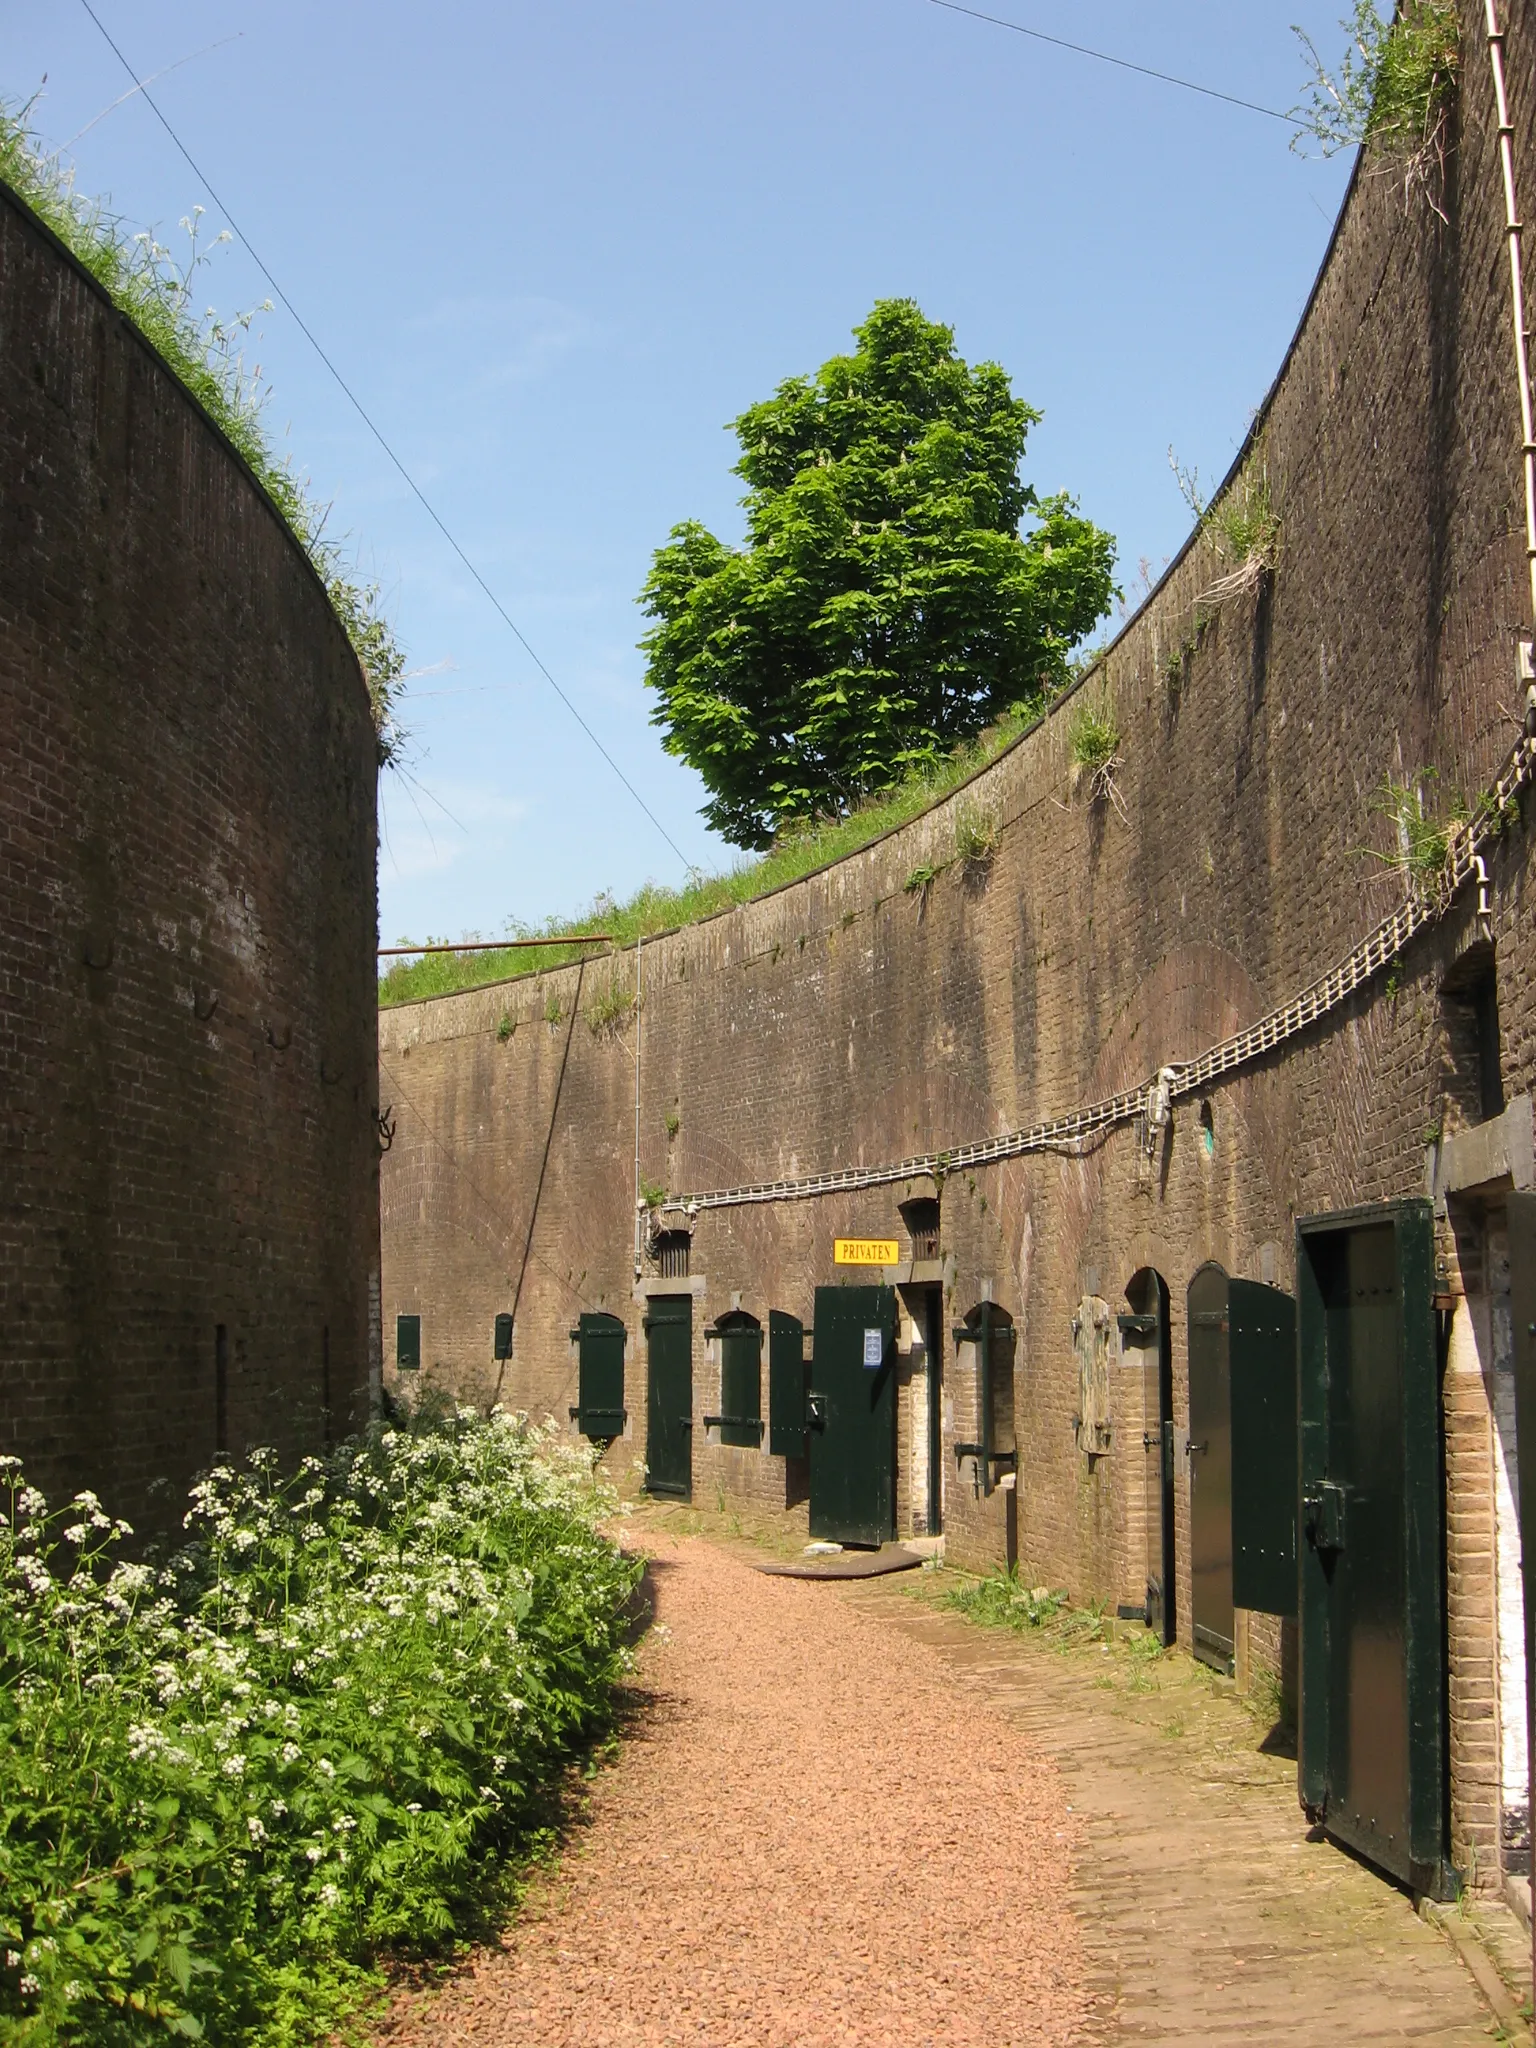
<point>885,606</point>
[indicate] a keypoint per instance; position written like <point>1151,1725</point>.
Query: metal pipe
<point>502,945</point>
<point>1512,229</point>
<point>639,1198</point>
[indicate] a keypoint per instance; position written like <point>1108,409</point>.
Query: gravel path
<point>812,1838</point>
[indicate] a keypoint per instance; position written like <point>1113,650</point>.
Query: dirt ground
<point>844,1815</point>
<point>811,1839</point>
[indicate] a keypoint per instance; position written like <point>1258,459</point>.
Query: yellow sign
<point>866,1251</point>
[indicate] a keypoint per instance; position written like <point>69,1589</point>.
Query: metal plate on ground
<point>849,1564</point>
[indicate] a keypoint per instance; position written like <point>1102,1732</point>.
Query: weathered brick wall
<point>848,1020</point>
<point>187,925</point>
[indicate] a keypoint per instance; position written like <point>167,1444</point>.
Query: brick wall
<point>847,1021</point>
<point>187,925</point>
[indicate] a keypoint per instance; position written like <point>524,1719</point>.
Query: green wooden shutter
<point>600,1413</point>
<point>741,1377</point>
<point>1264,1483</point>
<point>786,1385</point>
<point>408,1343</point>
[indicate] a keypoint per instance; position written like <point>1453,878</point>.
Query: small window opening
<point>920,1217</point>
<point>1471,993</point>
<point>671,1250</point>
<point>1484,998</point>
<point>1207,1129</point>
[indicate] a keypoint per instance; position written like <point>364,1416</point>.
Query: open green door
<point>852,1408</point>
<point>1373,1764</point>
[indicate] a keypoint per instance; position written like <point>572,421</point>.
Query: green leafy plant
<point>207,355</point>
<point>1000,1600</point>
<point>886,605</point>
<point>674,1124</point>
<point>921,879</point>
<point>553,1011</point>
<point>325,1730</point>
<point>1093,746</point>
<point>609,1007</point>
<point>653,1193</point>
<point>505,1026</point>
<point>1393,91</point>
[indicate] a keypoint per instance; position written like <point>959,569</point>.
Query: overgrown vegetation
<point>208,355</point>
<point>1393,91</point>
<point>323,1732</point>
<point>654,909</point>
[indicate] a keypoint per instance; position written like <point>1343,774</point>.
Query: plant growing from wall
<point>886,605</point>
<point>505,1027</point>
<point>1393,91</point>
<point>1244,529</point>
<point>207,355</point>
<point>609,1007</point>
<point>1422,839</point>
<point>976,831</point>
<point>653,1193</point>
<point>1093,746</point>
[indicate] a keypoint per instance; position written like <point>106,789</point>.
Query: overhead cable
<point>1120,63</point>
<point>368,421</point>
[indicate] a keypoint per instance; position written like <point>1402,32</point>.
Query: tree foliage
<point>885,606</point>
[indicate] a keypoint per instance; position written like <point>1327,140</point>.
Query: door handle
<point>816,1411</point>
<point>1199,1450</point>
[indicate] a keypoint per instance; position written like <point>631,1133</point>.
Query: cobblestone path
<point>813,1838</point>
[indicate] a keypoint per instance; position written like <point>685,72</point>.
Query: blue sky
<point>556,248</point>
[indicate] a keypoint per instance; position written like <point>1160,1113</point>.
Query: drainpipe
<point>1517,292</point>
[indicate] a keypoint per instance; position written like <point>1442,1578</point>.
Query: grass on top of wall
<point>655,909</point>
<point>206,354</point>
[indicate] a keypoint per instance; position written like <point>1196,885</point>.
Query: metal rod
<point>503,945</point>
<point>639,1198</point>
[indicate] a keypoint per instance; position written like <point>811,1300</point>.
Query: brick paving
<point>1208,1910</point>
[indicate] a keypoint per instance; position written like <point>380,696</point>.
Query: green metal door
<point>1262,1342</point>
<point>1210,1469</point>
<point>852,1409</point>
<point>1372,1765</point>
<point>669,1396</point>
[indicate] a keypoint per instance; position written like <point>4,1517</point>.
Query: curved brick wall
<point>187,926</point>
<point>846,1020</point>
